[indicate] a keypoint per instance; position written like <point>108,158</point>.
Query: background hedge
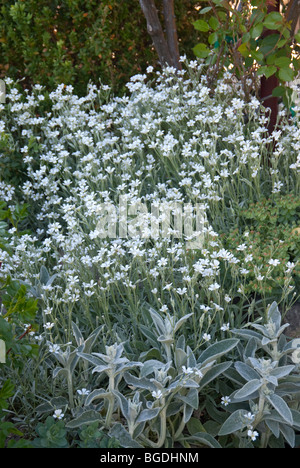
<point>74,41</point>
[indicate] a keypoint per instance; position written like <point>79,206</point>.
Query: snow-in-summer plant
<point>168,140</point>
<point>265,407</point>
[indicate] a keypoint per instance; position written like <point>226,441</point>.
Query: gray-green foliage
<point>268,380</point>
<point>156,397</point>
<point>153,401</point>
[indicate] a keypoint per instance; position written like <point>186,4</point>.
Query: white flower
<point>58,414</point>
<point>206,337</point>
<point>250,417</point>
<point>54,348</point>
<point>214,287</point>
<point>157,394</point>
<point>274,262</point>
<point>48,325</point>
<point>225,327</point>
<point>83,391</point>
<point>187,370</point>
<point>252,434</point>
<point>225,400</point>
<point>198,372</point>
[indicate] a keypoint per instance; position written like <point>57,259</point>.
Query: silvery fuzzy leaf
<point>281,407</point>
<point>150,365</point>
<point>288,433</point>
<point>101,368</point>
<point>180,358</point>
<point>288,388</point>
<point>74,358</point>
<point>214,372</point>
<point>263,330</point>
<point>296,418</point>
<point>247,334</point>
<point>157,320</point>
<point>282,371</point>
<point>181,321</point>
<point>217,350</point>
<point>91,358</point>
<point>246,371</point>
<point>204,439</point>
<point>96,394</point>
<point>127,365</point>
<point>139,382</point>
<point>44,275</point>
<point>234,376</point>
<point>165,339</point>
<point>77,333</point>
<point>150,335</point>
<point>109,359</point>
<point>60,357</point>
<point>265,341</point>
<point>148,414</point>
<point>51,405</point>
<point>186,383</point>
<point>273,426</point>
<point>124,405</point>
<point>181,342</point>
<point>139,429</point>
<point>282,328</point>
<point>274,315</point>
<point>250,348</point>
<point>235,422</point>
<point>173,408</point>
<point>187,413</point>
<point>275,416</point>
<point>273,380</point>
<point>119,432</point>
<point>87,417</point>
<point>191,399</point>
<point>60,371</point>
<point>191,360</point>
<point>248,389</point>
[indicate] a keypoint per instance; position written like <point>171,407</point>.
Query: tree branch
<point>156,32</point>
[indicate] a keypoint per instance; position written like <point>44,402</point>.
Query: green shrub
<point>72,42</point>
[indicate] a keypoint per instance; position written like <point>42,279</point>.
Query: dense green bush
<point>72,41</point>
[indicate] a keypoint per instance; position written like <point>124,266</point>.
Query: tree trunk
<point>166,48</point>
<point>268,84</point>
<point>293,14</point>
<point>171,32</point>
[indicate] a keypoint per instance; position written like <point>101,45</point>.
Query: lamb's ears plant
<point>176,389</point>
<point>69,358</point>
<point>68,361</point>
<point>166,329</point>
<point>267,383</point>
<point>44,280</point>
<point>113,365</point>
<point>137,412</point>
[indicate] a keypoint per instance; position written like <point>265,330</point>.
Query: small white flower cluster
<point>171,142</point>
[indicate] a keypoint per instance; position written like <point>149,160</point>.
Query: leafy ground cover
<point>117,331</point>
